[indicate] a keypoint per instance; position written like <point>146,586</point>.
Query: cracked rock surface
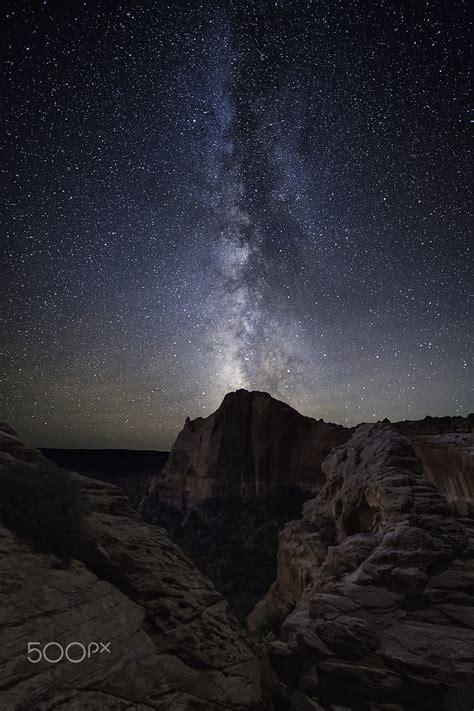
<point>375,587</point>
<point>174,646</point>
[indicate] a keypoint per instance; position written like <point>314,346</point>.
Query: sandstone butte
<point>251,444</point>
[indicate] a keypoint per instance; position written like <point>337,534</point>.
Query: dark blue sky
<point>212,195</point>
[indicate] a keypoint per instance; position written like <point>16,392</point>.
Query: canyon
<point>304,567</point>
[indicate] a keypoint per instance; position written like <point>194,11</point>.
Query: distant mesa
<point>135,471</point>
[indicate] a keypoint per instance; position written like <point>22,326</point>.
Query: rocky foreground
<point>374,595</point>
<point>372,608</point>
<point>174,645</point>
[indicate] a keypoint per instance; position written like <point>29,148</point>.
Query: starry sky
<point>204,195</point>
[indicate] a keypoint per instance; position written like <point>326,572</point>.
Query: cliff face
<point>445,445</point>
<point>174,646</point>
<point>374,587</point>
<point>251,444</point>
<point>448,461</point>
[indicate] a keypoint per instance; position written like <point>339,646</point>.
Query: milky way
<point>202,196</point>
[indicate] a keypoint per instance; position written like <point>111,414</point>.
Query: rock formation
<point>251,444</point>
<point>372,608</point>
<point>375,587</point>
<point>445,445</point>
<point>174,646</point>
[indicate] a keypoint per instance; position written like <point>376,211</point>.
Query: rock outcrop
<point>174,646</point>
<point>375,587</point>
<point>251,444</point>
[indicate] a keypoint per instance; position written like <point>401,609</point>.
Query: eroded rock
<point>375,584</point>
<point>174,646</point>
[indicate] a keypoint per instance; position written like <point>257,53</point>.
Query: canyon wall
<point>445,445</point>
<point>448,461</point>
<point>254,444</point>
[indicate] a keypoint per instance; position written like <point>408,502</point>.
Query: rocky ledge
<point>373,604</point>
<point>174,646</point>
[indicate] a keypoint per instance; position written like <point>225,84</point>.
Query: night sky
<point>202,196</point>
